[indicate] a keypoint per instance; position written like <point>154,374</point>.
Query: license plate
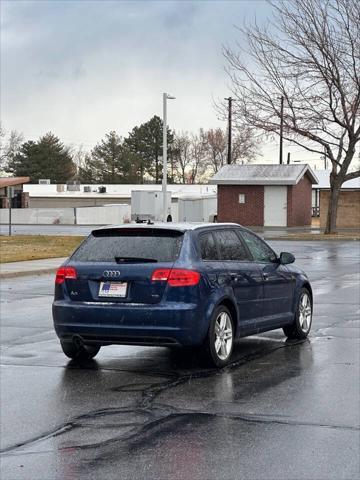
<point>113,289</point>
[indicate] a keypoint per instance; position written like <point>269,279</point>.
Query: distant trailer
<point>148,205</point>
<point>198,209</point>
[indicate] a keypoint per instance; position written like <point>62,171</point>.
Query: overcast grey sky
<point>82,68</point>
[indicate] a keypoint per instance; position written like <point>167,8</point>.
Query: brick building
<point>348,213</point>
<point>18,198</point>
<point>265,195</point>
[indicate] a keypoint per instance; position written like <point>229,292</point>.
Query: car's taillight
<point>183,278</point>
<point>65,273</point>
<point>176,277</point>
<point>161,275</point>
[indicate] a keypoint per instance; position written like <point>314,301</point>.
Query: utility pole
<point>166,97</point>
<point>229,99</point>
<point>325,159</point>
<point>281,131</point>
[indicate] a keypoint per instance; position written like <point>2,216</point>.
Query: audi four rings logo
<point>111,273</point>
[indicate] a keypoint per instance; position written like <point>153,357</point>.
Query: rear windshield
<point>130,246</point>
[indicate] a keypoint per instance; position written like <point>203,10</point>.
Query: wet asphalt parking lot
<point>281,410</point>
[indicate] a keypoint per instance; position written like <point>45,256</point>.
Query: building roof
<point>257,174</point>
<point>116,190</point>
<point>10,181</point>
<point>324,181</point>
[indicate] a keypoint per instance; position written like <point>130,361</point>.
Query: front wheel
<point>79,352</point>
<point>220,338</point>
<point>301,325</point>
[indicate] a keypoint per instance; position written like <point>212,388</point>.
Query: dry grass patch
<point>34,247</point>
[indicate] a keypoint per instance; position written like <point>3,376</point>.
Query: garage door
<point>275,206</point>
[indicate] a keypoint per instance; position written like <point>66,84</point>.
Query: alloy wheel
<point>305,312</point>
<point>223,335</point>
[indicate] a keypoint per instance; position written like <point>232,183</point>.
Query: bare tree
<point>9,147</point>
<point>310,55</point>
<point>199,159</point>
<point>182,154</point>
<point>189,156</point>
<point>216,144</point>
<point>79,156</point>
<point>2,144</point>
<point>244,147</point>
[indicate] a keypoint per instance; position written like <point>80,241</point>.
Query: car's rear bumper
<point>161,324</point>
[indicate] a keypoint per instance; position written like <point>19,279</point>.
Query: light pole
<point>166,97</point>
<point>10,192</point>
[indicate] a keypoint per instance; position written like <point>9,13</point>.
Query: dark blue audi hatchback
<point>199,285</point>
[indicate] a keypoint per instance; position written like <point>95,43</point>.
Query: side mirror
<point>286,258</point>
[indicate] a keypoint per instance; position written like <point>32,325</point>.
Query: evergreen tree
<point>146,142</point>
<point>110,162</point>
<point>46,158</point>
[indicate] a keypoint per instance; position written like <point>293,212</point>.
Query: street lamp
<point>166,97</point>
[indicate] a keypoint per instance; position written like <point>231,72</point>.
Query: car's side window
<point>260,251</point>
<point>230,245</point>
<point>208,247</point>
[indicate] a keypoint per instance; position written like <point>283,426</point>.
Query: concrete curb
<point>30,267</point>
<point>27,273</point>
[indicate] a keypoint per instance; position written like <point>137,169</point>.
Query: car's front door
<point>244,276</point>
<point>278,281</point>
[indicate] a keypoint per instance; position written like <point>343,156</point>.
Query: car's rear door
<point>243,275</point>
<point>116,265</point>
<point>212,266</point>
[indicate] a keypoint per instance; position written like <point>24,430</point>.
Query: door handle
<point>265,276</point>
<point>234,276</point>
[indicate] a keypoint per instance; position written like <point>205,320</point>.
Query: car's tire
<point>301,325</point>
<point>219,341</point>
<point>79,352</point>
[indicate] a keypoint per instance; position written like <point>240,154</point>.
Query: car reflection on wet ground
<point>284,410</point>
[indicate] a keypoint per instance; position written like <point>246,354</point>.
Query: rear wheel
<point>220,338</point>
<point>79,352</point>
<point>301,325</point>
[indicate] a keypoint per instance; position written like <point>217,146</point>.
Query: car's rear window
<point>130,246</point>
